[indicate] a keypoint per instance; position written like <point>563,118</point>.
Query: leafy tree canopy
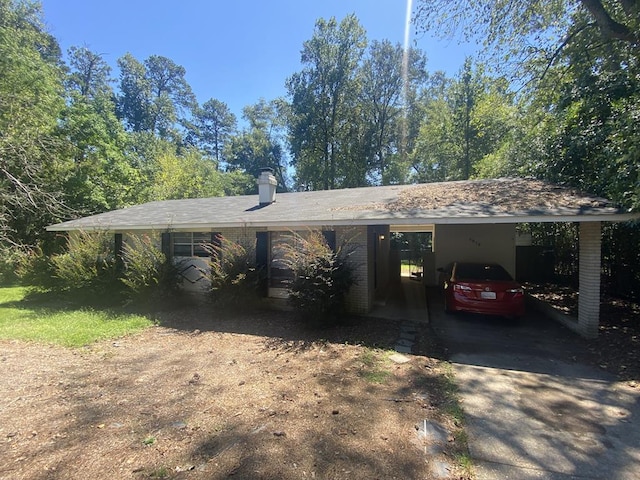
<point>31,99</point>
<point>530,34</point>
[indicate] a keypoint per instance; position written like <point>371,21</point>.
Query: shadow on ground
<point>537,405</point>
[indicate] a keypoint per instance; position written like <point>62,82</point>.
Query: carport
<point>477,221</point>
<point>485,240</point>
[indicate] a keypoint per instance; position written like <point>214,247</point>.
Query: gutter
<point>467,220</point>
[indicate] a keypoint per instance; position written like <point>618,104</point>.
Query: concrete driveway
<point>534,409</point>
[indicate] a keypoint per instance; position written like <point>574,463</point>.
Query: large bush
<point>321,277</point>
<point>148,273</point>
<point>10,258</point>
<point>233,275</point>
<point>35,269</point>
<point>88,265</point>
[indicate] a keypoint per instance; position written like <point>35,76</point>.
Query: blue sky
<point>236,51</point>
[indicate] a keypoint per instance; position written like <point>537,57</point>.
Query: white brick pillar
<point>589,277</point>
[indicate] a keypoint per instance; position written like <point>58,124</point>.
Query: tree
<point>186,176</point>
<point>588,129</point>
<point>171,95</point>
<point>497,119</point>
<point>321,97</point>
<point>262,144</point>
<point>532,34</point>
<point>252,150</point>
<point>214,125</point>
<point>153,95</point>
<point>389,77</point>
<point>615,20</point>
<point>99,175</point>
<point>134,99</point>
<point>30,101</point>
<point>467,127</point>
<point>435,154</point>
<point>89,72</point>
<point>466,91</point>
<point>237,182</point>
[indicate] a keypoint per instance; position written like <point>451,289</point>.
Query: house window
<point>279,273</point>
<point>190,244</point>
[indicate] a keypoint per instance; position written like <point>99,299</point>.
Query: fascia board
<point>431,220</point>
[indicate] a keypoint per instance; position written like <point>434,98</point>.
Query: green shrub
<point>321,277</point>
<point>148,274</point>
<point>10,258</point>
<point>36,269</point>
<point>232,273</point>
<point>88,265</point>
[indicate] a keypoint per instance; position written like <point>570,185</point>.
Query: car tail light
<point>515,291</point>
<point>463,288</point>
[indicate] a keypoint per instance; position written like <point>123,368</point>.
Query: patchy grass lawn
<point>206,395</point>
<point>47,319</point>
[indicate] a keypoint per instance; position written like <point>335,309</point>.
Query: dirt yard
<point>241,396</point>
<point>617,348</point>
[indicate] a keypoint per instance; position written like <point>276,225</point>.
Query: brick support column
<point>589,276</point>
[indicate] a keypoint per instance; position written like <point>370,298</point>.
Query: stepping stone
<point>432,432</point>
<point>431,438</point>
<point>399,358</point>
<point>440,469</point>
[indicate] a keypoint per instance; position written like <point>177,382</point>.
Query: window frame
<point>277,283</point>
<point>191,243</point>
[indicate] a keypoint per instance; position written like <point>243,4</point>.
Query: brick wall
<point>359,299</point>
<point>242,235</point>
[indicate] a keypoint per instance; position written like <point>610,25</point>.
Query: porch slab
<point>405,301</point>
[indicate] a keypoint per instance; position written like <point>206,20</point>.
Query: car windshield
<point>480,271</point>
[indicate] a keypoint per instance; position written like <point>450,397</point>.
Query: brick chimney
<point>267,186</point>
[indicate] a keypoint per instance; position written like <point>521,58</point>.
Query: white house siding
<point>476,243</point>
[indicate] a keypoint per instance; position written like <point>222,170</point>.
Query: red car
<point>485,288</point>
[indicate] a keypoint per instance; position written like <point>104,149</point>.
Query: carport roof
<point>505,200</point>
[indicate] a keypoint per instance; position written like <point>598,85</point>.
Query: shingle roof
<point>507,200</point>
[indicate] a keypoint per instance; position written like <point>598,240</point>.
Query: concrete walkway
<point>533,411</point>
